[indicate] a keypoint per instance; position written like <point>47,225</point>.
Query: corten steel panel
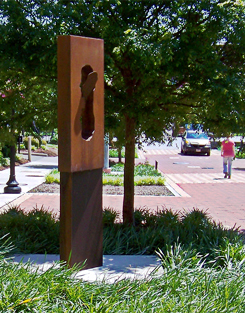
<point>75,153</point>
<point>81,233</point>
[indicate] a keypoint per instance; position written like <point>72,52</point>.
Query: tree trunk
<point>119,150</point>
<point>128,200</point>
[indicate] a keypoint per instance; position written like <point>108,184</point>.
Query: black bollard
<point>156,165</point>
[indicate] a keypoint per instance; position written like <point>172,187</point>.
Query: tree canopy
<point>166,62</point>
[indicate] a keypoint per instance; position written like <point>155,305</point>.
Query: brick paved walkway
<point>199,186</point>
<point>224,202</point>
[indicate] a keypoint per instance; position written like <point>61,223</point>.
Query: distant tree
<point>166,62</point>
<point>29,105</point>
<point>27,73</point>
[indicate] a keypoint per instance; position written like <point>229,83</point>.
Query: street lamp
<point>12,184</point>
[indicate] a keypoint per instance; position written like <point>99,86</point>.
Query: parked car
<point>195,142</point>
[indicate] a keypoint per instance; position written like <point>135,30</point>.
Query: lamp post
<point>12,184</point>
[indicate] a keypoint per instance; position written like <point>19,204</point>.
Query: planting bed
<point>112,190</point>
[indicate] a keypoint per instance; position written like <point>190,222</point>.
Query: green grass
<point>33,232</point>
<point>187,285</point>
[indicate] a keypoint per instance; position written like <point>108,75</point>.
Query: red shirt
<point>228,148</point>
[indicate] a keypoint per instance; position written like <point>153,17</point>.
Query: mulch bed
<point>49,152</point>
<point>111,190</point>
<point>20,162</point>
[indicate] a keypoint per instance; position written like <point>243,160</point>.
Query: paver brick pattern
<point>224,199</point>
<point>198,178</point>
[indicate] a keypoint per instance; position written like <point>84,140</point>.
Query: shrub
<point>54,139</point>
<point>6,151</point>
<point>145,170</point>
<point>44,142</point>
<point>113,153</point>
<point>4,161</point>
<point>165,228</point>
<point>117,180</point>
<point>240,155</point>
<point>117,167</point>
<point>18,157</point>
<point>34,142</point>
<point>53,177</point>
<point>25,142</point>
<point>148,181</point>
<point>142,169</point>
<point>113,180</point>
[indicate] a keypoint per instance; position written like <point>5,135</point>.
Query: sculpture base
<point>81,233</point>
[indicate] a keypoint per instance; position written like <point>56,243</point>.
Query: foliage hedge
<point>34,142</point>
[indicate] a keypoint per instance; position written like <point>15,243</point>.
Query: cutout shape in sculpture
<point>89,79</point>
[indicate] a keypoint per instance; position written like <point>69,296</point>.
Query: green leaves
<point>146,45</point>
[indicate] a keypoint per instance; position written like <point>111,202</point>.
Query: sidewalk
<point>28,176</point>
<point>115,267</point>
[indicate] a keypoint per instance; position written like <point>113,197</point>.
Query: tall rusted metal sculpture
<point>81,148</point>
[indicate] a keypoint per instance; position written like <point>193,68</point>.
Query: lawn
<point>188,284</point>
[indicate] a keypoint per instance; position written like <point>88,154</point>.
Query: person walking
<point>228,154</point>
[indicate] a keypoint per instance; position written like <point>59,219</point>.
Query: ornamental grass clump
<point>109,217</point>
<point>36,231</point>
<point>164,228</point>
<point>185,284</point>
